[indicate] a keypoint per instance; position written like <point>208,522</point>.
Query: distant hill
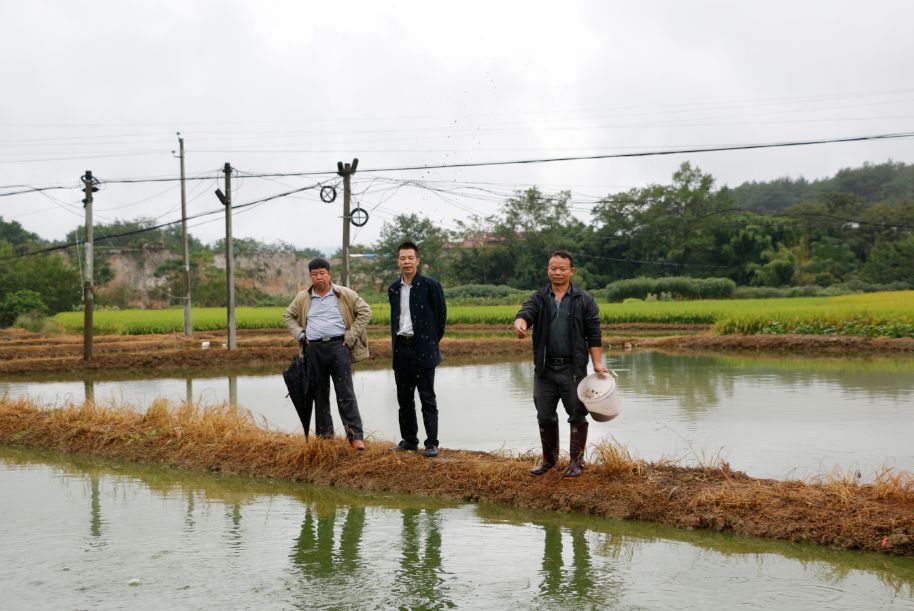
<point>886,182</point>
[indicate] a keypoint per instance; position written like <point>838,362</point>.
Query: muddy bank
<point>800,344</point>
<point>23,353</point>
<point>874,517</point>
<point>41,355</point>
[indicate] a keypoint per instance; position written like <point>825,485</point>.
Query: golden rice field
<point>888,314</point>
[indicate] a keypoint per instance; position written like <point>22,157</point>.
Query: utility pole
<point>88,288</point>
<point>188,325</point>
<point>226,199</point>
<point>346,171</point>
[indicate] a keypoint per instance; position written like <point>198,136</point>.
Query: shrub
<point>482,294</point>
<point>37,322</point>
<point>20,302</point>
<point>677,287</point>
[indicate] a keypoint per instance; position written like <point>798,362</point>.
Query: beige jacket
<point>356,314</point>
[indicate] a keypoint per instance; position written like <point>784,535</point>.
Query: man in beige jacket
<point>331,323</point>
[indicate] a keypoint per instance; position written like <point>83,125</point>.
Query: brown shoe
<point>358,444</point>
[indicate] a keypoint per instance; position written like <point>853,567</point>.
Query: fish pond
<point>88,534</point>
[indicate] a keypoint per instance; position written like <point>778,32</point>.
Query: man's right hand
<point>520,328</point>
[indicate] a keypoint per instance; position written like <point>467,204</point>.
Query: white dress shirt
<point>406,321</point>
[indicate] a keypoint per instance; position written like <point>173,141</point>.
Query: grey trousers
<point>554,383</point>
<point>333,361</point>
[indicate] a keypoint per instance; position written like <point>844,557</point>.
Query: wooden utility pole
<point>226,199</point>
<point>346,171</point>
<point>188,324</point>
<point>88,287</point>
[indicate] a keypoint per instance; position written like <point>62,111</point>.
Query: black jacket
<point>585,327</point>
<point>428,312</point>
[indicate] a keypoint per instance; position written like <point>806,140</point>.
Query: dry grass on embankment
<point>23,353</point>
<point>836,512</point>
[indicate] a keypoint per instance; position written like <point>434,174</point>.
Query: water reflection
<point>557,582</point>
<point>419,582</point>
<point>95,523</point>
<point>316,554</point>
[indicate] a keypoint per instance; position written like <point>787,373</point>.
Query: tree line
<point>858,236</point>
<point>853,230</point>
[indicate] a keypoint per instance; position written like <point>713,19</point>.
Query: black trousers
<point>554,383</point>
<point>411,375</point>
<point>333,361</point>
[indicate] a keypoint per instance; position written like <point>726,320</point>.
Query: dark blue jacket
<point>428,312</point>
<point>585,327</point>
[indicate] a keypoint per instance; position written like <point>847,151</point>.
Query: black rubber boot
<point>576,449</point>
<point>549,436</point>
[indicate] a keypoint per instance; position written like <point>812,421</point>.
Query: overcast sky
<point>294,87</point>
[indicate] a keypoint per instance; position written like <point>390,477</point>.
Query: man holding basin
<point>566,329</point>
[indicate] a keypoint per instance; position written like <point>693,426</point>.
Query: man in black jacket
<point>417,317</point>
<point>566,329</point>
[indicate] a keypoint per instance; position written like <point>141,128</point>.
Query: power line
<point>739,147</point>
<point>676,151</point>
<point>160,225</point>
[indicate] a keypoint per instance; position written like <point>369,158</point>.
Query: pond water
<point>84,534</point>
<point>782,418</point>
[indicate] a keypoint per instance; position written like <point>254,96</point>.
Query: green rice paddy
<point>888,314</point>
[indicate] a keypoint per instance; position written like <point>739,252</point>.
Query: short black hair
<point>563,254</point>
<point>407,246</point>
<point>318,263</point>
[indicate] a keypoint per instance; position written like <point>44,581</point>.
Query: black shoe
<point>430,452</point>
<point>404,447</point>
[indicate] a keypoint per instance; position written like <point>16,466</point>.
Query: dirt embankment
<point>801,344</point>
<point>874,517</point>
<point>25,353</point>
<point>28,353</point>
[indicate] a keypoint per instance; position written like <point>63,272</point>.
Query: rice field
<point>888,314</point>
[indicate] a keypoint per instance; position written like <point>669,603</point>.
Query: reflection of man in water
<point>419,584</point>
<point>313,551</point>
<point>566,329</point>
<point>578,584</point>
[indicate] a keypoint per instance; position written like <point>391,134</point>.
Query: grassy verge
<point>888,314</point>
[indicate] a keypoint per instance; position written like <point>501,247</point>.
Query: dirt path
<point>23,353</point>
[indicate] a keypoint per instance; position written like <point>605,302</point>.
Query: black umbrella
<point>297,381</point>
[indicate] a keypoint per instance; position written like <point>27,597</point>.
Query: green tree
<point>891,262</point>
<point>56,281</point>
<point>777,269</point>
<point>832,261</point>
<point>530,226</point>
<point>413,228</point>
<point>140,235</point>
<point>13,233</point>
<point>23,301</point>
<point>663,228</point>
